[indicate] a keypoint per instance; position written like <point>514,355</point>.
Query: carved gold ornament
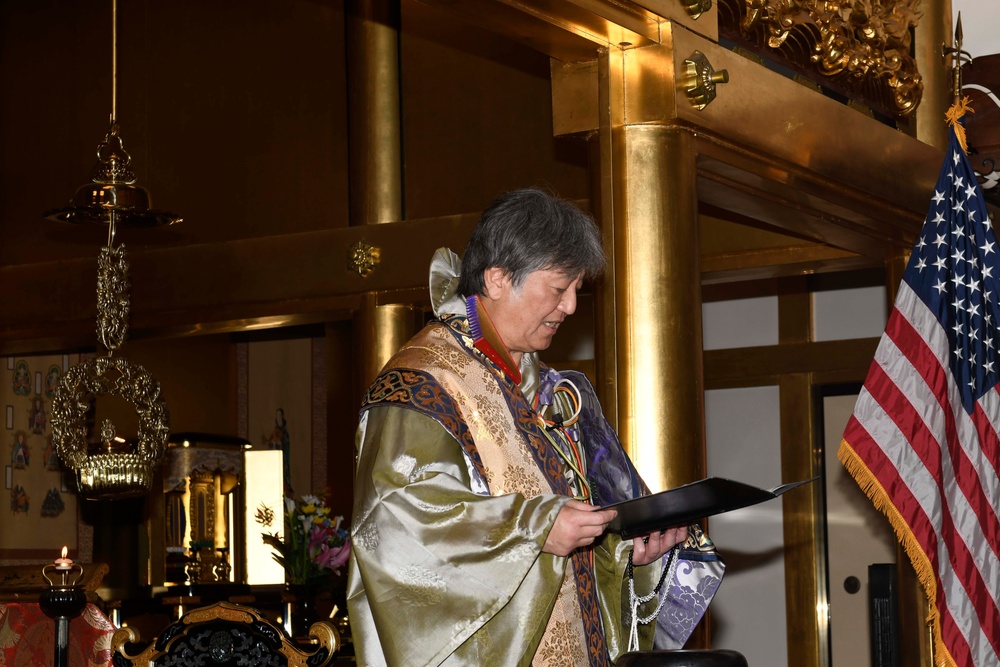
<point>364,258</point>
<point>860,47</point>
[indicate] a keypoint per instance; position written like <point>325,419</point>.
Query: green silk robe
<point>446,564</point>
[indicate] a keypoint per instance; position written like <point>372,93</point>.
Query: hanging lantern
<point>112,467</point>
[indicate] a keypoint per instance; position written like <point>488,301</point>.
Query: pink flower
<point>318,537</point>
<point>334,558</point>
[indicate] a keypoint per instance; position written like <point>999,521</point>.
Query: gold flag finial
<point>958,58</point>
<point>961,104</point>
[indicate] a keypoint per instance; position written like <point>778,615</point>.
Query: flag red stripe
<point>899,494</point>
<point>988,438</point>
<point>889,397</point>
<point>911,424</point>
<point>914,348</point>
<point>895,486</point>
<point>885,393</point>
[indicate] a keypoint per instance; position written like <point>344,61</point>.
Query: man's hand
<point>652,547</point>
<point>577,525</point>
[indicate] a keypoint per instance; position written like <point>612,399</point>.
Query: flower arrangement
<point>314,544</point>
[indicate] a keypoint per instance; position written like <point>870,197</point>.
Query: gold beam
<point>573,30</point>
<point>761,113</point>
<point>806,595</point>
<point>777,263</point>
<point>221,287</point>
<point>243,284</point>
<point>603,146</point>
<point>380,332</point>
<point>659,313</point>
<point>745,249</point>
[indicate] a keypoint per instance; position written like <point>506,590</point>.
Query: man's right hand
<point>577,525</point>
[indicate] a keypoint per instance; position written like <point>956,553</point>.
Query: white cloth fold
<point>446,267</point>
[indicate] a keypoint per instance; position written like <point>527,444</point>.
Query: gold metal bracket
<point>364,258</point>
<point>696,8</point>
<point>700,79</point>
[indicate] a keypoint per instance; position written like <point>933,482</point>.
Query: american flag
<point>923,440</point>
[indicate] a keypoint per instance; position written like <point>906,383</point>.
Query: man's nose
<point>568,302</point>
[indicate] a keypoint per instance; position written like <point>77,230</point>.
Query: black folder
<point>686,504</point>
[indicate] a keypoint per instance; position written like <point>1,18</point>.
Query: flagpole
<point>958,58</point>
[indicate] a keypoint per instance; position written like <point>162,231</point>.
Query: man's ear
<point>495,280</point>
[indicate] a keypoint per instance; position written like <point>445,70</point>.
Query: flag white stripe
<point>923,485</point>
<point>987,469</point>
<point>966,521</point>
<point>919,480</point>
<point>928,327</point>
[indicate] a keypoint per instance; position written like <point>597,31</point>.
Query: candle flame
<point>65,551</point>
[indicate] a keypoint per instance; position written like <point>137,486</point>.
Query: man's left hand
<point>652,547</point>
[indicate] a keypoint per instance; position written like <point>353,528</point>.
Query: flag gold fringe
<point>956,111</point>
<point>921,563</point>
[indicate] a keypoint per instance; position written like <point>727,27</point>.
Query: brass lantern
<point>111,468</point>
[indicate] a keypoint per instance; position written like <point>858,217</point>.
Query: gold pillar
<point>381,331</point>
<point>649,212</point>
<point>376,177</point>
<point>933,30</point>
<point>374,150</point>
<point>807,617</point>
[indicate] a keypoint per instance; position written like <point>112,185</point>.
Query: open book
<point>688,503</point>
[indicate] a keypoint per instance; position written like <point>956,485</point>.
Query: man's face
<point>527,316</point>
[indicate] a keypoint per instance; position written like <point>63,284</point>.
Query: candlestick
<point>62,602</point>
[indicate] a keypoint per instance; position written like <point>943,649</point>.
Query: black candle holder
<point>62,602</point>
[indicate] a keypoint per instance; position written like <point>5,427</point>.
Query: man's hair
<point>528,230</point>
